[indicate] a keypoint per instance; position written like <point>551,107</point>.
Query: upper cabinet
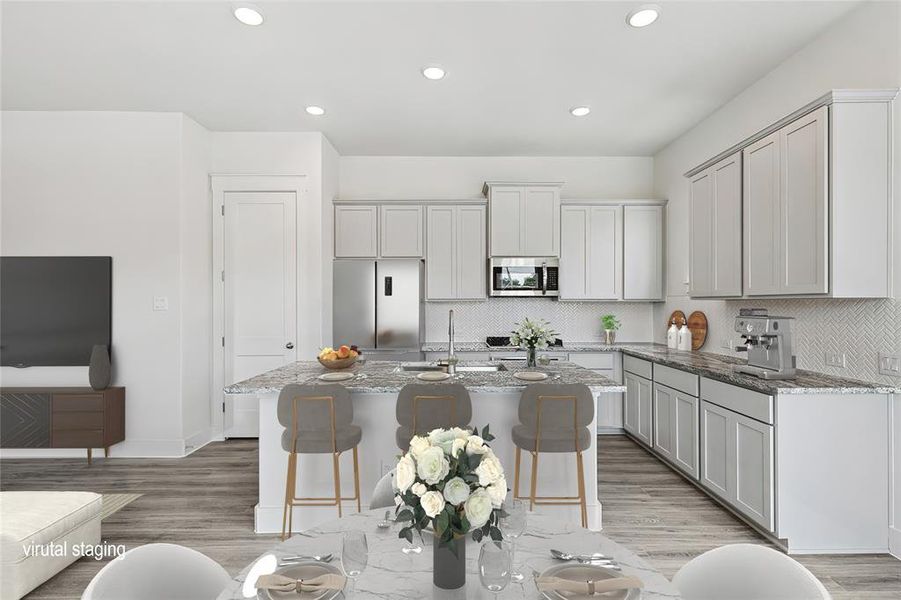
<point>715,264</point>
<point>524,219</point>
<point>456,252</point>
<point>815,197</point>
<point>611,250</point>
<point>379,231</point>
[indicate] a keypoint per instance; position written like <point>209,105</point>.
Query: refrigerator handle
<point>389,286</point>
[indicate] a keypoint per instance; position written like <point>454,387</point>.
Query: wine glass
<point>513,525</point>
<point>354,555</point>
<point>495,565</point>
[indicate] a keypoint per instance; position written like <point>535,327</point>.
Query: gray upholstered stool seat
<point>422,407</point>
<point>552,440</point>
<point>320,442</point>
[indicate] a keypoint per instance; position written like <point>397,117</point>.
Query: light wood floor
<point>205,501</point>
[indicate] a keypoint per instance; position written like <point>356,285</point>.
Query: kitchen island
<point>495,402</point>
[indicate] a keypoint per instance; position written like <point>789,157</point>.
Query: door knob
<point>289,345</point>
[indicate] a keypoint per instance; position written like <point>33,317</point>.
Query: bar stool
<point>318,419</point>
<point>554,418</point>
<point>422,407</point>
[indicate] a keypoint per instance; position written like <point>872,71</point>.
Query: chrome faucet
<point>451,359</point>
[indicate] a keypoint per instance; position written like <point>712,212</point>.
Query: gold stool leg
<point>288,494</point>
<point>357,479</point>
<point>581,476</point>
<point>534,481</point>
<point>337,473</point>
<point>516,473</point>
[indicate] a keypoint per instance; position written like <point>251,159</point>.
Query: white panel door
<point>643,252</point>
<point>664,428</point>
<point>400,234</point>
<point>804,236</point>
<point>762,216</point>
<point>630,408</point>
<point>574,247</point>
<point>441,253</point>
<point>645,412</point>
<point>714,455</point>
<point>605,253</point>
<point>541,221</point>
<point>472,253</point>
<point>356,231</point>
<point>752,463</point>
<point>260,294</point>
<point>726,263</point>
<point>685,433</point>
<point>505,216</point>
<point>701,235</point>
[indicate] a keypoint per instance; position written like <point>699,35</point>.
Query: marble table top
<point>376,377</point>
<point>392,574</point>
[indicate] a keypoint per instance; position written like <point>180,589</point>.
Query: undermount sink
<point>480,368</point>
<point>424,367</point>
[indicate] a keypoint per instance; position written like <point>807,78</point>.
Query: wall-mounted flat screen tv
<point>54,309</point>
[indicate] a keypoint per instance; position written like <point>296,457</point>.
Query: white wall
<point>859,51</point>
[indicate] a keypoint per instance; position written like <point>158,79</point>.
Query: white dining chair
<point>156,571</point>
<point>747,572</point>
<point>383,494</point>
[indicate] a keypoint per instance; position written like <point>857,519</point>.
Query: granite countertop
<point>386,377</point>
<point>566,347</point>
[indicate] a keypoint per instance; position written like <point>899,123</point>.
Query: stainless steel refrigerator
<point>378,306</point>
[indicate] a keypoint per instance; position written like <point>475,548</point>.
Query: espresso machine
<point>768,342</point>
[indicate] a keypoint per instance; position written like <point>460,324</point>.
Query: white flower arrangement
<point>533,334</point>
<point>452,480</point>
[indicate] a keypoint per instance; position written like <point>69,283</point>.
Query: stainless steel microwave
<point>524,277</point>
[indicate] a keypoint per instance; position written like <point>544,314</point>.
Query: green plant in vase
<point>610,324</point>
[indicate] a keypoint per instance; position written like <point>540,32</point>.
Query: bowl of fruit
<point>340,358</point>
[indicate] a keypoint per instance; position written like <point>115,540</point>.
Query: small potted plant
<point>610,324</point>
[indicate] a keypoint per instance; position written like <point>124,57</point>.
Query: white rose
<point>445,437</point>
<point>419,489</point>
<point>405,473</point>
<point>432,465</point>
<point>458,447</point>
<point>432,503</point>
<point>419,444</point>
<point>497,491</point>
<point>456,491</point>
<point>475,445</point>
<point>489,470</point>
<point>478,508</point>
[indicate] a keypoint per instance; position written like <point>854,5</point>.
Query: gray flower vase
<point>449,569</point>
<point>100,369</point>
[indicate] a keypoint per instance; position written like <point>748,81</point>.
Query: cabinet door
<point>630,409</point>
<point>605,255</point>
<point>441,253</point>
<point>541,221</point>
<point>701,235</point>
<point>804,238</point>
<point>574,248</point>
<point>401,231</point>
<point>664,427</point>
<point>752,464</point>
<point>762,216</point>
<point>715,471</point>
<point>356,231</point>
<point>726,263</point>
<point>610,408</point>
<point>645,411</point>
<point>505,220</point>
<point>685,433</point>
<point>643,252</point>
<point>471,252</point>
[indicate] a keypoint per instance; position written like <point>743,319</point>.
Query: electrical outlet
<point>160,303</point>
<point>726,344</point>
<point>835,359</point>
<point>889,364</point>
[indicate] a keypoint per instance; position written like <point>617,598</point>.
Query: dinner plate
<point>336,376</point>
<point>586,573</point>
<point>433,376</point>
<point>530,375</point>
<point>303,570</point>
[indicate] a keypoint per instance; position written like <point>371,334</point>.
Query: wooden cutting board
<point>697,324</point>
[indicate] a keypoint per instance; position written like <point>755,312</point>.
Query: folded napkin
<point>280,583</point>
<point>548,584</point>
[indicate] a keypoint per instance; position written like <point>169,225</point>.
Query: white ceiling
<point>514,68</point>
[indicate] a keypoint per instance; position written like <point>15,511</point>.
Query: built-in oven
<point>524,276</point>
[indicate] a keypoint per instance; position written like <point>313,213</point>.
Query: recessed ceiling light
<point>579,111</point>
<point>434,73</point>
<point>248,14</point>
<point>316,111</point>
<point>643,15</point>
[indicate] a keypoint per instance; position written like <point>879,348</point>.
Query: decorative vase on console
<point>452,480</point>
<point>533,335</point>
<point>100,368</point>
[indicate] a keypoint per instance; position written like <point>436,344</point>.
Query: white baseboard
<point>198,440</point>
<point>894,541</point>
<point>126,449</point>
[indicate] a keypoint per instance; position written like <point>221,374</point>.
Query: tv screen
<point>54,309</point>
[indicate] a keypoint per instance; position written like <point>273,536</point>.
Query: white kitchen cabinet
<point>591,252</point>
<point>643,252</point>
<point>715,449</point>
<point>638,418</point>
<point>401,234</point>
<point>356,231</point>
<point>610,406</point>
<point>664,428</point>
<point>715,231</point>
<point>762,191</point>
<point>456,258</point>
<point>524,219</point>
<point>676,428</point>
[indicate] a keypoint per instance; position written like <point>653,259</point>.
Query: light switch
<point>160,303</point>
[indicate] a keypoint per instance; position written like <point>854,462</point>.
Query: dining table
<point>393,574</point>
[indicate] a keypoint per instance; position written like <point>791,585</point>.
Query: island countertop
<point>375,377</point>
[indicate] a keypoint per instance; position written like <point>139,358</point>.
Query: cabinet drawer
<point>71,419</point>
<point>593,360</point>
<point>676,379</point>
<point>77,402</point>
<point>77,438</point>
<point>638,366</point>
<point>745,402</point>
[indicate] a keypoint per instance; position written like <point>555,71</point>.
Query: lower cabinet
<point>610,406</point>
<point>676,428</point>
<point>737,461</point>
<point>638,415</point>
